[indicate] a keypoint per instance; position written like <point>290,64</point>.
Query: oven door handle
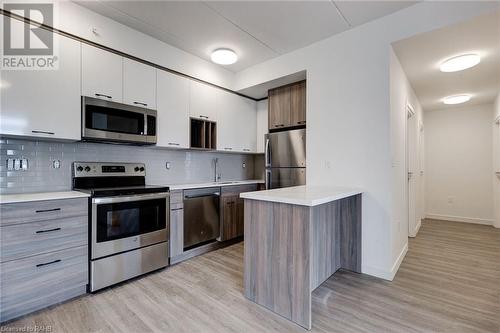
<point>138,197</point>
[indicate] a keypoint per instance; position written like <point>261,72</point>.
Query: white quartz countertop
<point>305,195</point>
<point>41,196</point>
<point>174,187</point>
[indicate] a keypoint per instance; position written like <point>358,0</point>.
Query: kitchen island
<point>295,239</point>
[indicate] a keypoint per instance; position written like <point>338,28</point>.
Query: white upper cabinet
<point>227,119</point>
<point>44,103</point>
<point>102,74</point>
<point>236,123</point>
<point>262,125</point>
<point>173,110</point>
<point>247,125</point>
<point>139,84</point>
<point>202,101</point>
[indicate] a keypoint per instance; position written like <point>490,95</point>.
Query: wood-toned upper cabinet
<point>279,107</point>
<point>298,104</point>
<point>139,84</point>
<point>44,103</point>
<point>287,106</point>
<point>202,101</point>
<point>173,110</point>
<point>102,74</point>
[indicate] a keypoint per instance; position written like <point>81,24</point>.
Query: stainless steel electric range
<point>128,221</point>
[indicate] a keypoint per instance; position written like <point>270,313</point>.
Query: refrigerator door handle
<point>267,154</point>
<point>268,179</point>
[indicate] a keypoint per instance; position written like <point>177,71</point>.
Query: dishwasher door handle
<point>216,194</point>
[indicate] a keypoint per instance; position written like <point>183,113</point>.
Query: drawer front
<point>42,210</point>
<point>36,282</point>
<point>237,189</point>
<point>28,239</point>
<point>176,197</point>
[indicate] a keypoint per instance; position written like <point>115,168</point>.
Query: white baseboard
<point>384,274</point>
<point>460,219</point>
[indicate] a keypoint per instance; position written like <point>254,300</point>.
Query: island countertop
<point>305,195</point>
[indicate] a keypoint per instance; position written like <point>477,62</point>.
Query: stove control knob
<point>136,169</point>
<point>87,168</point>
<point>79,168</point>
<point>141,168</point>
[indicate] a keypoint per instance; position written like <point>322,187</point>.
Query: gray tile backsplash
<point>186,166</point>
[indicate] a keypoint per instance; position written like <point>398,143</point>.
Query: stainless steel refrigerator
<point>285,159</point>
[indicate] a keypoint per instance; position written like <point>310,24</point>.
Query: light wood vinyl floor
<point>448,282</point>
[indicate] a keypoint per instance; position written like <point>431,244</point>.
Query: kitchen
<point>135,160</point>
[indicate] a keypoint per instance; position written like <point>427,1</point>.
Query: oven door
<point>116,122</point>
<point>121,224</point>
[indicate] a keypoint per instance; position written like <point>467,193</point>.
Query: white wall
<point>402,94</point>
<point>80,21</point>
<point>348,117</point>
<point>496,160</point>
<point>459,164</point>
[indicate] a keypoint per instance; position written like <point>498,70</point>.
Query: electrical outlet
<point>167,165</point>
<point>56,164</point>
<point>17,164</point>
<point>244,165</point>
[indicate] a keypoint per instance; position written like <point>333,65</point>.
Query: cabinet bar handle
<point>201,116</point>
<point>42,132</point>
<point>228,148</point>
<point>48,230</point>
<point>47,210</point>
<point>301,122</point>
<point>279,125</point>
<point>48,263</point>
<point>139,103</point>
<point>102,95</point>
<point>173,144</point>
<point>246,149</point>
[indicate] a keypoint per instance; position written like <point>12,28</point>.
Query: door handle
<point>267,154</point>
<point>48,263</point>
<point>102,95</point>
<point>48,230</point>
<point>47,210</point>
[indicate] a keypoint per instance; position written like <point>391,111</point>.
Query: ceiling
<point>421,56</point>
<point>256,30</point>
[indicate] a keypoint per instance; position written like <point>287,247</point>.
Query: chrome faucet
<point>216,175</point>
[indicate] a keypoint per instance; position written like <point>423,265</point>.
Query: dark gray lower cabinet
<point>232,211</point>
<point>44,261</point>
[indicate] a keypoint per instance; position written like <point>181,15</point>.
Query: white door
<point>227,121</point>
<point>262,125</point>
<point>172,107</point>
<point>102,74</point>
<point>411,166</point>
<point>139,84</point>
<point>44,103</point>
<point>202,101</point>
<point>247,125</point>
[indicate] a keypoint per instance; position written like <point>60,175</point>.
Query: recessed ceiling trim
<point>239,27</point>
<point>341,14</point>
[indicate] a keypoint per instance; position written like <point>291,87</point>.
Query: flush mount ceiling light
<point>459,63</point>
<point>224,56</point>
<point>456,99</point>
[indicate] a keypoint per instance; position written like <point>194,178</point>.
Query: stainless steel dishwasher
<point>201,216</point>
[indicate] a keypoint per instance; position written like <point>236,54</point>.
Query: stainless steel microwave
<point>107,121</point>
